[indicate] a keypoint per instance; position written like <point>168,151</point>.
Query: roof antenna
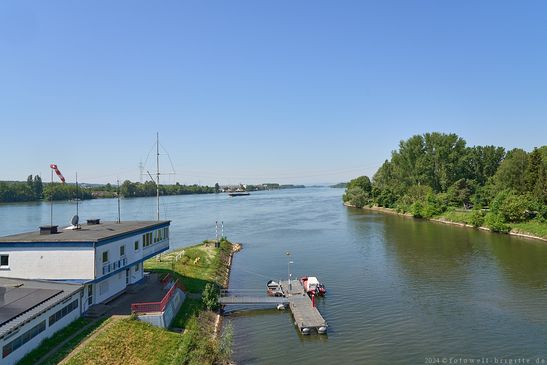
<point>75,220</point>
<point>77,193</point>
<point>118,194</point>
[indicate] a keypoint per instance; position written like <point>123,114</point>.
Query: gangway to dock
<point>248,296</point>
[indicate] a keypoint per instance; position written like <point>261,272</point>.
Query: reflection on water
<point>399,289</point>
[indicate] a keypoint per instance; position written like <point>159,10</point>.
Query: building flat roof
<point>87,233</point>
<point>22,300</point>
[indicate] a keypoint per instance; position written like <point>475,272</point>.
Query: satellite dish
<point>75,220</point>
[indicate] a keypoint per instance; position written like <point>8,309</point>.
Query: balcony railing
<point>112,266</point>
<point>152,307</point>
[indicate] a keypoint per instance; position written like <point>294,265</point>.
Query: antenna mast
<point>158,171</point>
<point>118,196</point>
<point>51,201</point>
<point>77,194</point>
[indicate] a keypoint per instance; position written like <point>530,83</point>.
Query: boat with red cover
<point>313,286</point>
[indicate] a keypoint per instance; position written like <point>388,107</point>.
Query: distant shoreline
<point>446,221</point>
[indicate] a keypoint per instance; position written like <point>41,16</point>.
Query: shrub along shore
<point>462,222</point>
<point>437,177</point>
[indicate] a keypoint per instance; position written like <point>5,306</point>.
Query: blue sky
<point>258,91</point>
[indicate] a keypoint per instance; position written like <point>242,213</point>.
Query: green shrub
<point>514,208</point>
<point>416,209</point>
<point>210,296</point>
<point>496,223</point>
<point>477,217</point>
<point>357,197</point>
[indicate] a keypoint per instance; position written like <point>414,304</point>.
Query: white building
<point>100,259</point>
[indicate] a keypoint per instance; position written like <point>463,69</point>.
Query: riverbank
<point>515,228</point>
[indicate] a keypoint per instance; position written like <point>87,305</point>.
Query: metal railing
<point>151,307</point>
<point>107,268</point>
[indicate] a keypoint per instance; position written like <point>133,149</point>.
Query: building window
<point>105,257</point>
<point>122,250</point>
<point>63,312</point>
<point>4,261</point>
<point>147,239</point>
<point>136,245</point>
<point>23,339</point>
<point>137,267</point>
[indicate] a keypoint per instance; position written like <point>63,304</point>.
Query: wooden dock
<point>306,317</point>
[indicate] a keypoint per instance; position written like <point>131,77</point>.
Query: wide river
<point>400,290</point>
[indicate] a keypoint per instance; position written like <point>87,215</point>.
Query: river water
<point>400,290</point>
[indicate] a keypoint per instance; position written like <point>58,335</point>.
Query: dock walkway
<point>306,317</point>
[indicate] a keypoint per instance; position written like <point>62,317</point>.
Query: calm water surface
<point>399,290</point>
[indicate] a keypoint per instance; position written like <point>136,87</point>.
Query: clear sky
<point>262,91</point>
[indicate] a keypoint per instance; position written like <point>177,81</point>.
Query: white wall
<point>49,263</point>
<point>35,342</point>
<point>131,254</point>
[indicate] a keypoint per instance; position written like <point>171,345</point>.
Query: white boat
<point>274,289</point>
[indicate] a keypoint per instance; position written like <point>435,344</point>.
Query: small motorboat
<point>312,286</point>
<point>273,288</point>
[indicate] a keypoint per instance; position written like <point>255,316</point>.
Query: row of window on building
<point>39,328</point>
<point>154,237</point>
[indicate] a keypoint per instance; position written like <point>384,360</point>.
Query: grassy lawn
<point>532,227</point>
<point>128,341</point>
<point>195,266</point>
<point>190,308</point>
<point>457,216</point>
<point>57,338</point>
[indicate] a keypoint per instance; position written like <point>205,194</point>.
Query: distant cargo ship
<point>239,193</point>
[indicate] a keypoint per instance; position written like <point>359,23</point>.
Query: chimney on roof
<point>93,221</point>
<point>48,229</point>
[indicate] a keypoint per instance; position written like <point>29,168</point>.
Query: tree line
<point>434,173</point>
<point>136,189</point>
<point>34,190</point>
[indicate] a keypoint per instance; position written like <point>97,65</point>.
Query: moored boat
<point>313,286</point>
<point>273,288</point>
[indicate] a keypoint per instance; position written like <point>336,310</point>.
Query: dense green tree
<point>459,194</point>
<point>358,192</point>
<point>443,160</point>
<point>535,177</point>
<point>481,162</point>
<point>362,182</point>
<point>37,187</point>
<point>30,182</point>
<point>511,173</point>
<point>217,188</point>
